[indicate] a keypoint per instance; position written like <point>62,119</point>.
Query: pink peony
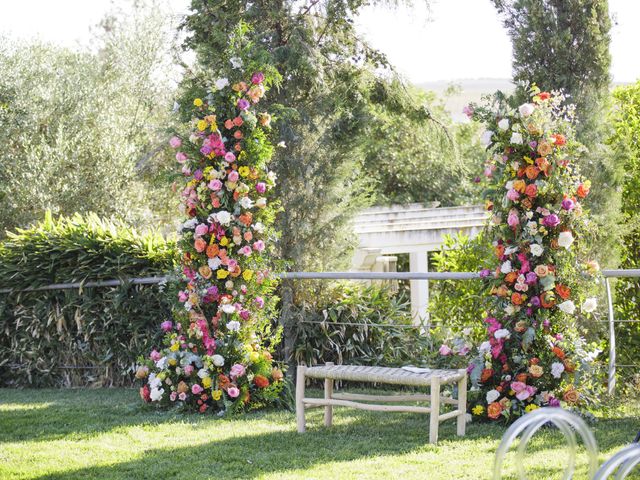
<point>445,350</point>
<point>246,251</point>
<point>233,391</point>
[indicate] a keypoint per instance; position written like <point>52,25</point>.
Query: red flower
<point>544,95</point>
<point>145,394</point>
<point>261,381</point>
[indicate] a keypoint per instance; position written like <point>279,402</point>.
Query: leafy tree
<point>564,44</point>
<point>80,129</point>
<point>626,141</point>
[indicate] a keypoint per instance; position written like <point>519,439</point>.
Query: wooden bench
<point>433,379</point>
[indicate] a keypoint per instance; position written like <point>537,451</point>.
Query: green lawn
<point>107,434</point>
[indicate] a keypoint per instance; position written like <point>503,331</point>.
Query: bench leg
<point>300,381</point>
<point>434,416</point>
<point>328,393</point>
<point>462,403</point>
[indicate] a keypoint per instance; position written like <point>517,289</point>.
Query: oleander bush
<point>87,336</point>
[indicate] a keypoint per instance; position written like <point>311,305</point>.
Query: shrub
<point>357,324</point>
<point>86,336</point>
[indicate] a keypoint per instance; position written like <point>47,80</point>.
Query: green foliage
<point>82,130</point>
<point>50,337</point>
<point>456,304</point>
<point>359,325</point>
<point>564,45</point>
<point>626,141</point>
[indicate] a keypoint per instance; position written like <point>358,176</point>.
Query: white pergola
<point>414,229</point>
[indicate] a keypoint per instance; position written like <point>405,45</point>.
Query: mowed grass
<point>108,434</point>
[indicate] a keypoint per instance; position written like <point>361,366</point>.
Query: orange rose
<point>522,377</point>
<point>536,371</point>
<point>534,361</point>
<point>517,298</point>
<point>547,300</point>
<point>494,410</point>
<point>511,277</point>
<point>502,291</point>
<point>541,271</point>
<point>237,134</point>
<point>261,381</point>
<point>200,245</point>
<point>582,191</point>
<point>277,374</point>
<point>205,271</point>
<point>238,120</point>
<point>212,251</point>
<point>571,395</point>
<point>558,352</point>
<point>486,375</point>
<point>499,251</point>
<point>563,291</point>
<point>544,165</point>
<point>223,381</point>
<point>526,203</point>
<point>531,191</point>
<point>559,139</point>
<point>544,149</point>
<point>532,172</point>
<point>519,186</point>
<point>228,124</point>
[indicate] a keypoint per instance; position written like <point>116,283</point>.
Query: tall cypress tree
<point>564,44</point>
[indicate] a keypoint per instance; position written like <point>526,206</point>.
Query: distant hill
<point>472,90</point>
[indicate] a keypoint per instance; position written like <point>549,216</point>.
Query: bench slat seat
<point>394,376</point>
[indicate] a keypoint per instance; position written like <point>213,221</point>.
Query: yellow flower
<point>174,347</point>
<point>247,275</point>
<point>216,395</point>
<point>202,125</point>
<point>198,103</point>
<point>477,410</point>
<point>222,274</point>
<point>243,171</point>
<point>531,407</point>
<point>206,382</point>
<point>173,362</point>
<point>224,241</point>
<point>254,357</point>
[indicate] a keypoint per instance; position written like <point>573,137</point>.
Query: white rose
<point>485,347</point>
<point>567,307</point>
<point>502,333</point>
<point>485,139</point>
<point>221,83</point>
<point>506,267</point>
<point>218,360</point>
<point>162,363</point>
<point>246,202</point>
<point>154,382</point>
<point>223,217</point>
<point>503,124</point>
<point>258,227</point>
<point>492,396</point>
<point>236,62</point>
<point>526,109</point>
<point>203,372</point>
<point>590,305</point>
<point>536,250</point>
<point>214,263</point>
<point>565,239</point>
<point>156,394</point>
<point>556,369</point>
<point>228,308</point>
<point>261,202</point>
<point>516,139</point>
<point>233,326</point>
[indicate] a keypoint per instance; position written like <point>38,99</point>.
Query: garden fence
<point>381,276</point>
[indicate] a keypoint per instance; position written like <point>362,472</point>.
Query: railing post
<point>611,384</point>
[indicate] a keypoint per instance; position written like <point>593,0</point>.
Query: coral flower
<point>563,291</point>
<point>494,410</point>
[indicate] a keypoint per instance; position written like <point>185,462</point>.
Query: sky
<point>454,39</point>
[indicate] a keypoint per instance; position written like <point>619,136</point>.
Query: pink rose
<point>233,176</point>
<point>173,396</point>
<point>202,229</point>
<point>237,370</point>
<point>229,157</point>
<point>513,220</point>
<point>167,325</point>
<point>258,246</point>
<point>181,157</point>
<point>261,187</point>
<point>215,185</point>
<point>188,370</point>
<point>175,142</point>
<point>246,251</point>
<point>513,195</point>
<point>196,389</point>
<point>257,78</point>
<point>155,355</point>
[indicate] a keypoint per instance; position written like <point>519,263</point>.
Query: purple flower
<point>215,185</point>
<point>554,402</point>
<point>243,104</point>
<point>212,290</point>
<point>476,180</point>
<point>245,314</point>
<point>531,278</point>
<point>167,325</point>
<point>198,174</point>
<point>206,149</point>
<point>551,220</point>
<point>259,301</point>
<point>533,144</point>
<point>445,350</point>
<point>485,273</point>
<point>261,187</point>
<point>535,301</point>
<point>568,204</point>
<point>257,78</point>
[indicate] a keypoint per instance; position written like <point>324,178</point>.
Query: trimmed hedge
<point>88,336</point>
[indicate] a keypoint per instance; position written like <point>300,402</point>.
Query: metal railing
<point>607,274</point>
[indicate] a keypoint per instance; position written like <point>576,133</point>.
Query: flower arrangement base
<point>433,379</point>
